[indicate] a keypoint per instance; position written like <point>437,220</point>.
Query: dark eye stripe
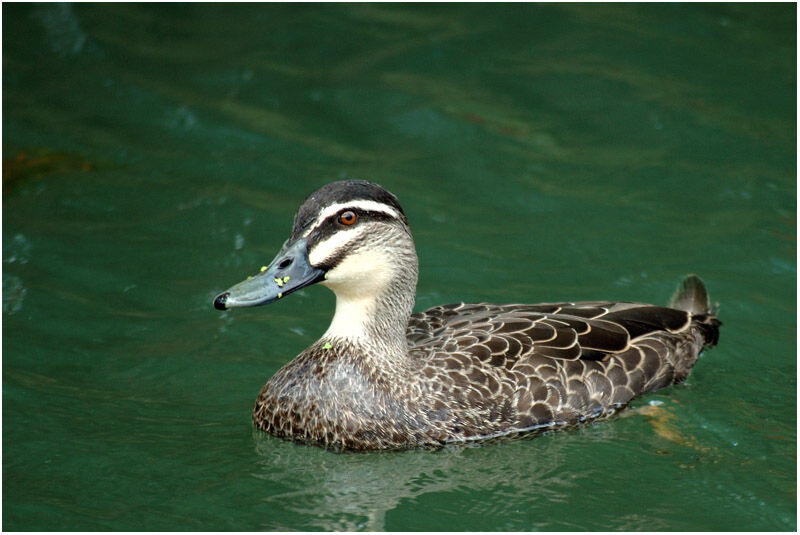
<point>361,216</point>
<point>312,215</point>
<point>331,226</point>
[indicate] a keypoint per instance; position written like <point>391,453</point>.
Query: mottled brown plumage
<point>459,372</point>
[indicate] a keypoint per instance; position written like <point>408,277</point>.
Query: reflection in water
<point>509,485</point>
<point>354,491</point>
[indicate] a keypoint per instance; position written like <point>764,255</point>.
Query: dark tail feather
<point>692,297</point>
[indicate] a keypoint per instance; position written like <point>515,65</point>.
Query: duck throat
<point>372,320</point>
<point>374,314</point>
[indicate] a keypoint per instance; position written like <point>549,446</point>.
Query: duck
<point>382,377</point>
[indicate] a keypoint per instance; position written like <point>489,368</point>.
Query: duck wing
<point>527,366</point>
<point>502,334</point>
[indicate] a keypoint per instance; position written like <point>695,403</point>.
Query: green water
<point>155,154</point>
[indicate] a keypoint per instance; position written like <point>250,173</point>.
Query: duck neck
<point>374,317</point>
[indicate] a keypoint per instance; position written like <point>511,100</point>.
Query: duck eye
<point>347,218</point>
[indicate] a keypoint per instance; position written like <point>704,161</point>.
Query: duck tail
<point>692,297</point>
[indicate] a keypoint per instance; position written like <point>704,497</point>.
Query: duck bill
<point>288,272</point>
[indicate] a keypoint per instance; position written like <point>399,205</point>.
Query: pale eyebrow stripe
<point>362,204</point>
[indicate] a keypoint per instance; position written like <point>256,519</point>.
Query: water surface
<point>153,155</point>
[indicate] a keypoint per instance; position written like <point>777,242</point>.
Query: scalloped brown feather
<point>463,372</point>
<point>479,371</point>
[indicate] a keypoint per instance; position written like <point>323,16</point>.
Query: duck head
<point>353,237</point>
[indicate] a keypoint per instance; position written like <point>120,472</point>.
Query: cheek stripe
<point>326,249</point>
